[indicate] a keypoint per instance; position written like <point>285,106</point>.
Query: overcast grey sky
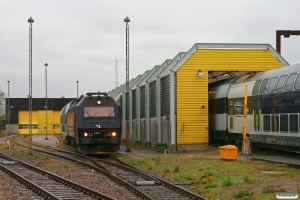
<point>81,39</point>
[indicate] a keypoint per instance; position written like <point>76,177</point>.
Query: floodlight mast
<point>127,79</point>
<point>30,20</point>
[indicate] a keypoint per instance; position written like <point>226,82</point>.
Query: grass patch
<point>65,165</point>
<point>176,169</point>
<point>149,167</point>
<point>227,181</point>
<point>166,170</point>
<point>189,168</point>
<point>242,193</point>
<point>248,180</point>
<point>50,166</point>
<point>280,165</point>
<point>211,185</point>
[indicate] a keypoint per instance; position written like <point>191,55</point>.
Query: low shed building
<point>171,102</point>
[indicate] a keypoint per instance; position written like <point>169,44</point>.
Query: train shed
<point>171,102</point>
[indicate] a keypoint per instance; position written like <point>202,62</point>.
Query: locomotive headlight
<point>98,101</point>
<point>91,134</point>
<point>114,134</point>
<point>85,134</point>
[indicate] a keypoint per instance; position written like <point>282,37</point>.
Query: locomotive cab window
<point>290,82</point>
<point>272,85</point>
<point>297,84</point>
<point>280,83</point>
<point>99,112</point>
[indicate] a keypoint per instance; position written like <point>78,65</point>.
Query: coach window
<point>263,87</point>
<point>290,82</point>
<point>280,83</point>
<point>256,87</point>
<point>272,85</point>
<point>284,123</point>
<point>297,84</point>
<point>266,123</point>
<point>294,123</point>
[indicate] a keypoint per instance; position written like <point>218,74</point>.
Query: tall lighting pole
<point>30,20</point>
<point>8,110</point>
<point>116,75</point>
<point>77,87</point>
<point>46,65</point>
<point>127,78</point>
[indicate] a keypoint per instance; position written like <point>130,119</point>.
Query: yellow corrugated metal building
<point>191,125</point>
<point>173,106</point>
<point>19,115</point>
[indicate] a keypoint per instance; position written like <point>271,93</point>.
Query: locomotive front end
<point>95,124</point>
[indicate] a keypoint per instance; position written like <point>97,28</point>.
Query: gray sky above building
<point>81,39</point>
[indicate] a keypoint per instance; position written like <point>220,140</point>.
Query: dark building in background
<point>19,115</point>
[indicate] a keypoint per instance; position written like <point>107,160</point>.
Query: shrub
<point>211,185</point>
<point>166,170</point>
<point>141,162</point>
<point>176,169</point>
<point>176,177</point>
<point>209,174</point>
<point>242,193</point>
<point>150,167</point>
<point>247,180</point>
<point>227,181</point>
<point>190,177</point>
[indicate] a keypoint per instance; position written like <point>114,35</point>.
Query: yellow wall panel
<point>43,128</point>
<point>23,117</point>
<point>56,122</point>
<point>192,91</point>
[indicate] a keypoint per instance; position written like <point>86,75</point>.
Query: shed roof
<point>142,82</point>
<point>166,70</point>
<point>198,46</point>
<point>162,66</point>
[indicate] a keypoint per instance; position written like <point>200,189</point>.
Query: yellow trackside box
<point>228,152</point>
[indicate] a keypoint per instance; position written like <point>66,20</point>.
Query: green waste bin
<point>162,147</point>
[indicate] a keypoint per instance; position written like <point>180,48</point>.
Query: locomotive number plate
<point>97,133</point>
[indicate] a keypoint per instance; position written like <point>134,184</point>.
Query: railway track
<point>128,191</point>
<point>143,185</point>
<point>154,186</point>
<point>45,184</point>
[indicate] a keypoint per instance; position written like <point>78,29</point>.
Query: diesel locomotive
<point>92,123</point>
<point>273,108</point>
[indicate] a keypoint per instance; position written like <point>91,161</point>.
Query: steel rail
<point>63,180</point>
<point>97,169</point>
